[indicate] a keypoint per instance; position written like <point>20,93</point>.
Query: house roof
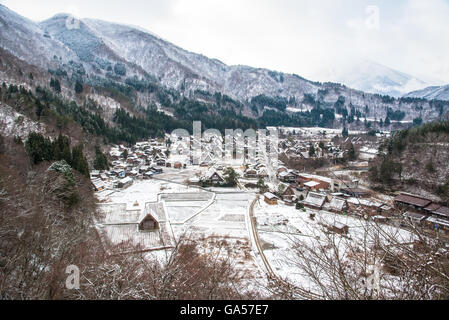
<point>98,184</point>
<point>365,202</point>
<point>311,184</point>
<point>126,180</point>
<point>211,173</point>
<point>337,203</point>
<point>415,216</point>
<point>432,207</point>
<point>270,196</point>
<point>315,199</point>
<point>146,214</point>
<point>444,211</point>
<point>413,200</point>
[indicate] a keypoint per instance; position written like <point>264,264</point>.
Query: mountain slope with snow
<point>27,41</point>
<point>94,51</point>
<point>371,77</point>
<point>435,92</point>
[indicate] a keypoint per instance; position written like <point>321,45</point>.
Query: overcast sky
<point>293,36</point>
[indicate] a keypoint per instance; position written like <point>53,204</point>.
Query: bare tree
<point>384,263</point>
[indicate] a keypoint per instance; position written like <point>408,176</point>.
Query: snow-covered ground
<point>282,227</point>
<point>216,216</point>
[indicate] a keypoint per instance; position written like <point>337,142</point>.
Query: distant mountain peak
<point>370,76</point>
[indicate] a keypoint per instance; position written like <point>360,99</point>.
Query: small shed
<point>98,185</point>
<point>177,165</point>
<point>338,205</point>
<point>270,198</point>
<point>415,216</point>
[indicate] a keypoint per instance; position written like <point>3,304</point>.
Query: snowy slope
<point>438,93</point>
<point>371,77</point>
<point>27,41</point>
<point>98,46</point>
<point>177,67</point>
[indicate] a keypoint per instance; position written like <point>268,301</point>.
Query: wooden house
<point>147,222</point>
<point>177,165</point>
<point>338,205</point>
<point>250,173</point>
<point>98,185</point>
<point>288,195</point>
<point>125,182</point>
<point>411,202</point>
<point>312,183</point>
<point>270,198</point>
<point>315,201</point>
<point>286,176</point>
<point>213,177</point>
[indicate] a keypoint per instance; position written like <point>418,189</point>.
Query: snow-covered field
<point>282,227</point>
<point>220,216</point>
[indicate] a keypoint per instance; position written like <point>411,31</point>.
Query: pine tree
<point>101,161</point>
<point>79,162</point>
<point>125,154</point>
<point>312,151</point>
<point>39,148</point>
<point>78,87</point>
<point>231,177</point>
<point>55,84</point>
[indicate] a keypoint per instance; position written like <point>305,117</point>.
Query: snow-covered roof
<point>312,176</point>
<point>270,196</point>
<point>365,202</point>
<point>311,184</point>
<point>337,204</point>
<point>315,199</point>
<point>126,180</point>
<point>99,184</point>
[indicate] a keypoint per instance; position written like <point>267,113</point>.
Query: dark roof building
<point>406,200</point>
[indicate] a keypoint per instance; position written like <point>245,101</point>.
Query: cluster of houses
<point>142,161</point>
<point>323,193</point>
<point>423,211</point>
<point>211,148</point>
<point>301,149</point>
<point>415,208</point>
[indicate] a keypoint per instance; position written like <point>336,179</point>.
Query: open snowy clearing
<point>282,227</point>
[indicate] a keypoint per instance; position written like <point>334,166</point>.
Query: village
<point>157,192</point>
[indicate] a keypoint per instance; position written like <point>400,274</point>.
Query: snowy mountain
<point>435,92</point>
<point>371,77</point>
<point>27,41</point>
<point>87,50</point>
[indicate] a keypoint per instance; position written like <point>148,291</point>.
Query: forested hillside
<point>416,160</point>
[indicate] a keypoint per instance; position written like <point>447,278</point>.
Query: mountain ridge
<point>432,92</point>
<point>124,55</point>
